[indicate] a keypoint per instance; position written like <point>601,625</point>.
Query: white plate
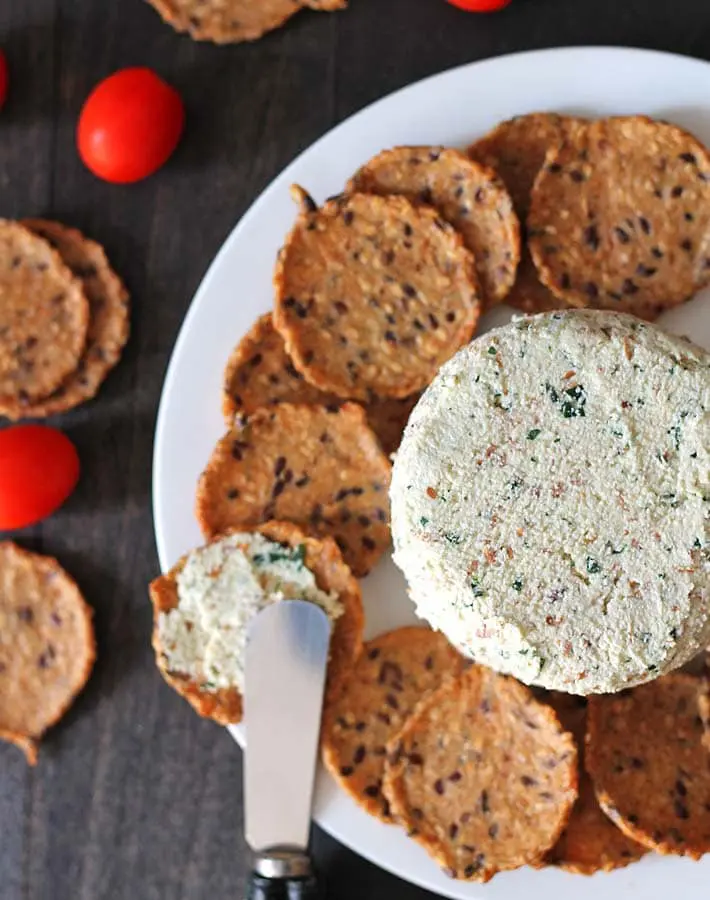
<point>452,108</point>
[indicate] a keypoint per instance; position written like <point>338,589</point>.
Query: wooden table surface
<point>134,796</point>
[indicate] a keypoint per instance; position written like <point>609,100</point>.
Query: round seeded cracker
<point>650,770</point>
<point>373,294</point>
<point>394,672</point>
<point>44,315</point>
<point>47,646</point>
<point>516,149</point>
<point>320,467</point>
<point>468,195</point>
<point>233,21</point>
<point>332,575</point>
<point>620,216</point>
<point>108,320</point>
<point>260,373</point>
<point>590,842</point>
<point>482,775</point>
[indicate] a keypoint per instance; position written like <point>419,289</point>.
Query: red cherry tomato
<point>129,125</point>
<point>39,468</point>
<point>4,79</point>
<point>480,5</point>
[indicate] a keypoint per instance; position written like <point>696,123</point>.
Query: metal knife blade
<point>285,669</point>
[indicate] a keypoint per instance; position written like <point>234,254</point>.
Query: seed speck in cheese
<point>550,501</point>
<point>220,589</point>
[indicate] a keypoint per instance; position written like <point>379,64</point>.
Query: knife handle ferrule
<point>283,873</point>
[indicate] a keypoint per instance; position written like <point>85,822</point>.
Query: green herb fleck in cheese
<point>220,590</point>
<point>585,567</point>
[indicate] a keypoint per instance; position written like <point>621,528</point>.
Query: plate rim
<point>243,223</point>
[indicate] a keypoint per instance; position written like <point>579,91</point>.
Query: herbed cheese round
<point>550,501</point>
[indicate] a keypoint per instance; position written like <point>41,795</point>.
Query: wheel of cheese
<point>550,501</point>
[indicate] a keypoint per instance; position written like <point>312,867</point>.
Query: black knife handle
<point>283,874</point>
<point>282,888</point>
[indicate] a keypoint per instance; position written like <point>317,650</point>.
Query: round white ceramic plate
<point>452,108</point>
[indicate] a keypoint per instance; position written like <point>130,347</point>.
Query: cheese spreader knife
<point>285,669</point>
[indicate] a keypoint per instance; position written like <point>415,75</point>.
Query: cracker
<point>44,315</point>
<point>388,418</point>
<point>320,467</point>
<point>704,704</point>
<point>620,216</point>
<point>482,775</point>
<point>323,558</point>
<point>47,646</point>
<point>697,665</point>
<point>650,770</point>
<point>516,149</point>
<point>590,842</point>
<point>395,671</point>
<point>468,195</point>
<point>260,373</point>
<point>109,322</point>
<point>233,21</point>
<point>529,294</point>
<point>373,294</point>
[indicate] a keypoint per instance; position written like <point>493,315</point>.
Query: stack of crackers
<point>374,290</point>
<point>477,771</point>
<point>64,320</point>
<point>617,211</point>
<point>64,317</point>
<point>488,776</point>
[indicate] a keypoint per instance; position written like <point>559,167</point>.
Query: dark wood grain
<point>134,796</point>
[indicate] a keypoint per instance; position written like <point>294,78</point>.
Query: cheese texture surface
<point>220,589</point>
<point>550,501</point>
